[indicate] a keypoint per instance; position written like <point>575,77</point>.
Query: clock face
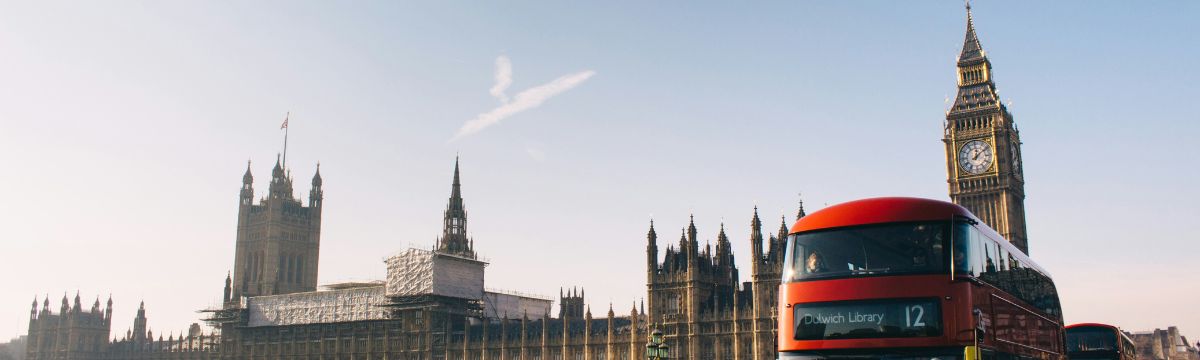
<point>975,157</point>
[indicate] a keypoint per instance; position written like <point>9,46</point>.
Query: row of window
<point>978,122</point>
<point>982,257</point>
<point>973,75</point>
<point>290,271</point>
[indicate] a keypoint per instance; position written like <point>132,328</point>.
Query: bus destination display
<point>867,319</point>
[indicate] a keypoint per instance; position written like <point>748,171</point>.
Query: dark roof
<point>971,51</point>
<point>974,97</point>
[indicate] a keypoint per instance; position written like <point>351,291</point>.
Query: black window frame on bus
<point>939,257</point>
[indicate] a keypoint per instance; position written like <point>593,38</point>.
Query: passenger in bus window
<point>815,263</point>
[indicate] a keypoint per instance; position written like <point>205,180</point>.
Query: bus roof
<point>1080,325</point>
<point>878,211</point>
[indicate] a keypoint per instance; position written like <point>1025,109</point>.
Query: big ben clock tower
<point>983,147</point>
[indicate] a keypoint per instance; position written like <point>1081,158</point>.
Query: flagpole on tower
<point>285,136</point>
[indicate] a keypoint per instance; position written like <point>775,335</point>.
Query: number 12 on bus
<point>905,278</point>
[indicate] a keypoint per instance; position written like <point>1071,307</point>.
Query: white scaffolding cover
<point>416,272</point>
<point>514,306</point>
<point>355,304</point>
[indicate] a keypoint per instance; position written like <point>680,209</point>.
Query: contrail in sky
<point>525,100</point>
<point>503,78</point>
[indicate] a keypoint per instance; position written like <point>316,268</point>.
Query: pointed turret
<point>691,230</point>
<point>281,183</point>
<point>316,180</point>
<point>651,252</point>
<point>277,171</point>
<point>975,87</point>
<point>971,51</point>
<point>652,236</point>
<point>247,178</point>
<point>454,229</point>
<point>724,248</point>
<point>140,331</point>
<point>800,213</point>
<point>228,288</point>
<point>756,241</point>
<point>683,241</point>
<point>317,194</point>
<point>783,228</point>
<point>246,198</point>
<point>33,312</point>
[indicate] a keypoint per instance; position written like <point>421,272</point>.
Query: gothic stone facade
<point>694,297</point>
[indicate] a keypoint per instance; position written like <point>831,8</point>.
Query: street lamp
<point>656,349</point>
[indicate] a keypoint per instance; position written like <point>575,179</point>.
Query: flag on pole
<point>285,120</point>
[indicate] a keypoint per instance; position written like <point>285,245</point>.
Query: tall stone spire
<point>247,178</point>
<point>800,213</point>
<point>971,49</point>
<point>454,228</point>
<point>651,251</point>
<point>724,248</point>
<point>756,242</point>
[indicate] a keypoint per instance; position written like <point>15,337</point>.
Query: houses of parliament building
<point>433,304</point>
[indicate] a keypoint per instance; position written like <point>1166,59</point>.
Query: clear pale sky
<point>125,128</point>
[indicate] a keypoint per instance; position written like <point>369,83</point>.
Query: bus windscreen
<point>898,248</point>
<point>1091,339</point>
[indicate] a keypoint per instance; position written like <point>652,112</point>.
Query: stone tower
<point>766,268</point>
<point>278,239</point>
<point>570,304</point>
<point>983,147</point>
<point>454,239</point>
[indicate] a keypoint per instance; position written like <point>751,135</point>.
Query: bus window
<point>968,256</point>
<point>905,248</point>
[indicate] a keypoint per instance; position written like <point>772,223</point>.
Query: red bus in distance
<point>908,278</point>
<point>1090,341</point>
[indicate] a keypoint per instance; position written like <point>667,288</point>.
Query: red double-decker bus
<point>907,278</point>
<point>1092,341</point>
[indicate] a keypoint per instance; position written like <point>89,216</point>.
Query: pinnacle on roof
<point>971,49</point>
<point>316,180</point>
<point>277,171</point>
<point>456,202</point>
<point>800,214</point>
<point>651,235</point>
<point>247,178</point>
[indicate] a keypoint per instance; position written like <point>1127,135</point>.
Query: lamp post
<point>656,348</point>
